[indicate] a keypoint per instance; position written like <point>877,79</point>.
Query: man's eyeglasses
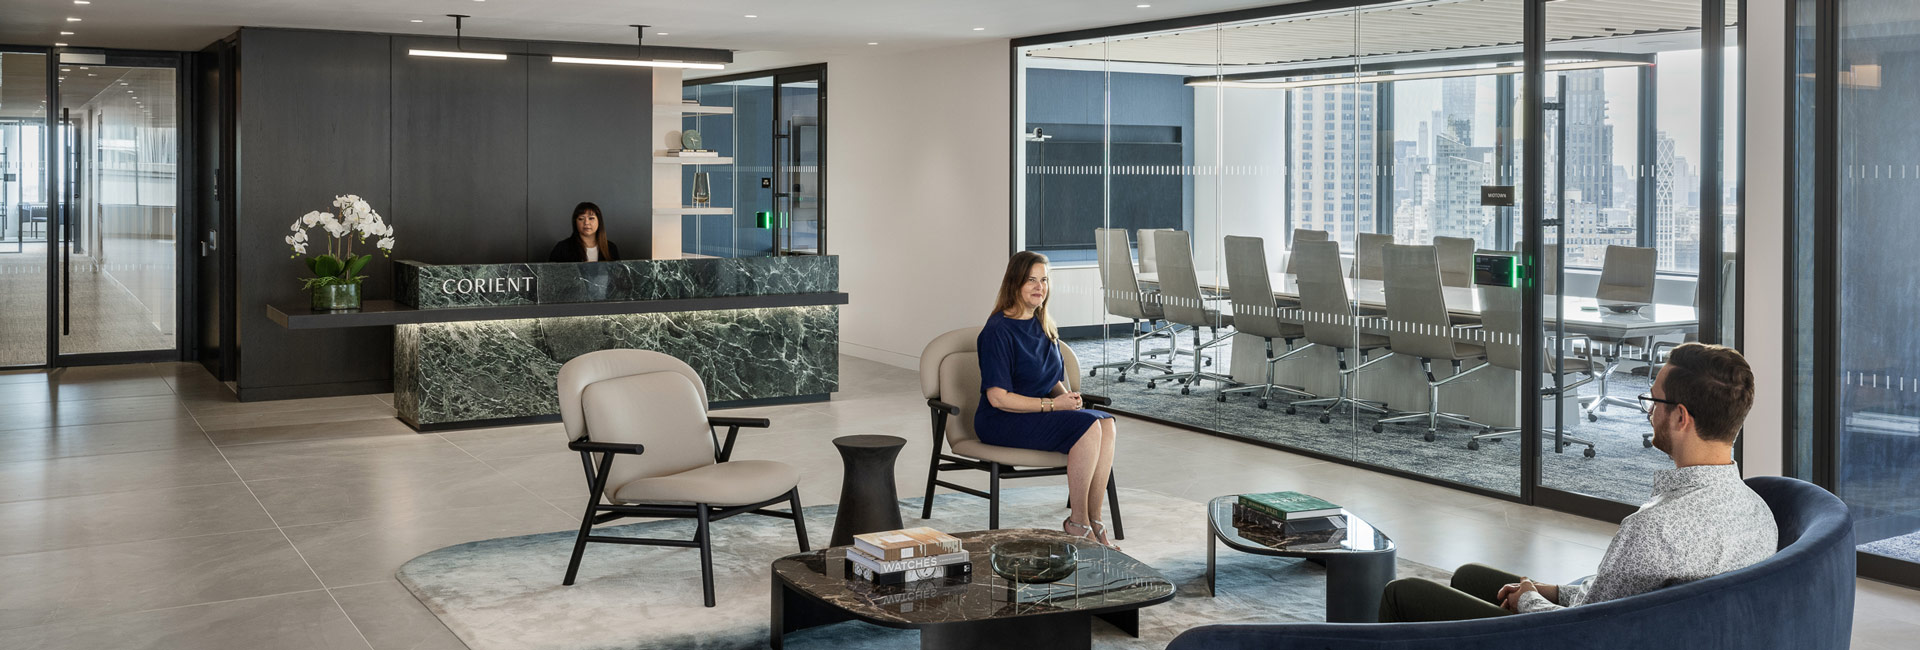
<point>1648,400</point>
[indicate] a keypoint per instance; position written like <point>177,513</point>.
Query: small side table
<point>1357,570</point>
<point>868,502</point>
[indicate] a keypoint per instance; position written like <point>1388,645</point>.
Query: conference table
<point>1490,399</point>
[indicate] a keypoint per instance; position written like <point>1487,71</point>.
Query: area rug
<point>506,593</point>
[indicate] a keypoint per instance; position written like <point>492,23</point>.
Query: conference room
<point>1304,231</point>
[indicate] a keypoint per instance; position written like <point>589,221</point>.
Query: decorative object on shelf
<point>336,273</point>
<point>690,139</point>
<point>1033,561</point>
<point>702,190</point>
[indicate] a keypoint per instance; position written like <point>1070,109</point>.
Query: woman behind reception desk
<point>588,243</point>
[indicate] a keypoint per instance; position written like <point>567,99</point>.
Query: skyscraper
<point>1458,168</point>
<point>1333,129</point>
<point>1666,206</point>
<point>1589,138</point>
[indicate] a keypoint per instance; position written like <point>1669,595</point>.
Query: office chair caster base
<point>1292,411</point>
<point>1221,398</point>
<point>1185,390</point>
<point>1593,417</point>
<point>1263,405</point>
<point>1430,435</point>
<point>1149,383</point>
<point>1589,452</point>
<point>1646,442</point>
<point>1473,445</point>
<point>1377,427</point>
<point>1325,418</point>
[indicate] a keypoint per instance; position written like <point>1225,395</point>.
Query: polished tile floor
<point>142,507</point>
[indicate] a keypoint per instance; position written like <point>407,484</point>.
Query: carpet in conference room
<point>505,593</point>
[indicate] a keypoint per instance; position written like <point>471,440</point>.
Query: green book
<point>1289,506</point>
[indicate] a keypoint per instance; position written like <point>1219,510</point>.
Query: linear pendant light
<point>641,62</point>
<point>1438,74</point>
<point>458,52</point>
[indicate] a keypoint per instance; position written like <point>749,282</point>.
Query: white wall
<point>1243,131</point>
<point>917,193</point>
<point>1766,257</point>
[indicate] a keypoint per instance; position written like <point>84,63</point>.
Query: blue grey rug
<point>1904,547</point>
<point>1622,469</point>
<point>506,593</point>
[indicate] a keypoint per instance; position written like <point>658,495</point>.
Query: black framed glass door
<point>93,274</point>
<point>799,178</point>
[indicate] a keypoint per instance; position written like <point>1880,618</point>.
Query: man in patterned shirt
<point>1701,521</point>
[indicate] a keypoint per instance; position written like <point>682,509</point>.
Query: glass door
<point>24,219</point>
<point>799,177</point>
<point>115,241</point>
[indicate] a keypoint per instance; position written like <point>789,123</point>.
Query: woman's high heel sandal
<point>1068,526</point>
<point>1100,535</point>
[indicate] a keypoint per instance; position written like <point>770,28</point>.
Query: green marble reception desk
<point>482,345</point>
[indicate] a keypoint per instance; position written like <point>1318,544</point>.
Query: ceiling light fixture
<point>751,16</point>
<point>416,20</point>
<point>72,19</point>
<point>458,52</point>
<point>1142,6</point>
<point>66,33</point>
<point>979,29</point>
<point>59,44</point>
<point>873,43</point>
<point>82,2</point>
<point>1435,74</point>
<point>659,33</point>
<point>640,36</point>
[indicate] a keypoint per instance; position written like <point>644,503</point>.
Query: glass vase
<point>702,189</point>
<point>336,297</point>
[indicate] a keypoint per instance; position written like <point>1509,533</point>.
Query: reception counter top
<point>482,345</point>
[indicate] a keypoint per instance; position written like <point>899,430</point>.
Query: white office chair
<point>1186,305</point>
<point>1329,322</point>
<point>1256,313</point>
<point>1419,326</point>
<point>1121,291</point>
<point>1500,322</point>
<point>1627,275</point>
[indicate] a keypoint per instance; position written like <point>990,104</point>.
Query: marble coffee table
<point>984,611</point>
<point>1359,559</point>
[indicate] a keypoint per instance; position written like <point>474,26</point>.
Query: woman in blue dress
<point>1027,403</point>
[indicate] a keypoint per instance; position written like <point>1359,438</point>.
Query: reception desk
<point>482,345</point>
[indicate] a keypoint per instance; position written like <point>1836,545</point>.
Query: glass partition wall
<point>1284,230</point>
<point>1850,241</point>
<point>771,198</point>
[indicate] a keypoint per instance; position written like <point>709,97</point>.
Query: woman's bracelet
<point>1046,405</point>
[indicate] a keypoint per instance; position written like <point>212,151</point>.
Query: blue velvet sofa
<point>1801,598</point>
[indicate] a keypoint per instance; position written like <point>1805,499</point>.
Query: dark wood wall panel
<point>459,153</point>
<point>313,122</point>
<point>587,134</point>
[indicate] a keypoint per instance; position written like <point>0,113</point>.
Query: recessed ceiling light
<point>59,44</point>
<point>90,74</point>
<point>82,2</point>
<point>659,33</point>
<point>123,83</point>
<point>416,20</point>
<point>65,70</point>
<point>66,33</point>
<point>1141,6</point>
<point>752,16</point>
<point>979,29</point>
<point>873,43</point>
<point>72,19</point>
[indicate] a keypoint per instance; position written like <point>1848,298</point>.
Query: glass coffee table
<point>1359,558</point>
<point>982,611</point>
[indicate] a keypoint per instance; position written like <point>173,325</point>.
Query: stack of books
<point>1290,520</point>
<point>902,556</point>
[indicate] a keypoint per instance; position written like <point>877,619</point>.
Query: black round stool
<point>868,503</point>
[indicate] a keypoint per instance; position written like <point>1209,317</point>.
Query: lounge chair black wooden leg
<point>702,532</point>
<point>993,496</point>
<point>1113,507</point>
<point>580,543</point>
<point>799,518</point>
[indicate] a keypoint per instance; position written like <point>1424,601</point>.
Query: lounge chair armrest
<point>938,405</point>
<point>584,444</point>
<point>756,423</point>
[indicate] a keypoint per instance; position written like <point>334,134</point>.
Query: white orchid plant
<point>339,265</point>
